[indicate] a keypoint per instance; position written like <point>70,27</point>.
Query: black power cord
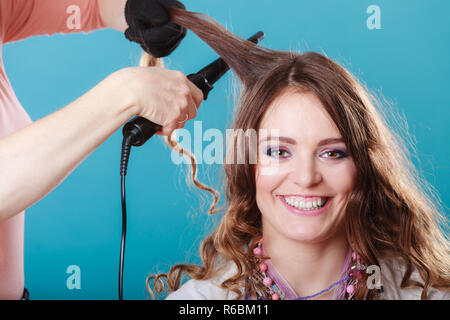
<point>126,148</point>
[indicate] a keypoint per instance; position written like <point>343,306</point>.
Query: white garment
<point>391,270</point>
<point>206,289</point>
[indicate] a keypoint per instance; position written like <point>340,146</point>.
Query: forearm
<point>34,160</point>
<point>113,14</point>
<point>11,258</point>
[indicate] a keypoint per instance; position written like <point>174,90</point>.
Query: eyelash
<point>342,154</point>
<point>270,150</point>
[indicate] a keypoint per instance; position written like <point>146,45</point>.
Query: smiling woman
<point>305,198</point>
<point>335,193</point>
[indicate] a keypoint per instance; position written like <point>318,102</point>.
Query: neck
<point>308,267</point>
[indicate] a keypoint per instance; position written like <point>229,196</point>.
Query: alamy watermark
<point>374,280</point>
<point>374,20</point>
<point>74,280</point>
<point>236,146</point>
<point>73,22</point>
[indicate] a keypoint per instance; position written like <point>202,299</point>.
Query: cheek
<point>268,178</point>
<point>342,178</point>
<point>266,182</point>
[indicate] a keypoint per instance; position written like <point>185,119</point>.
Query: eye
<point>275,152</point>
<point>334,154</point>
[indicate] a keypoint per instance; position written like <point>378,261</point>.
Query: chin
<point>306,236</point>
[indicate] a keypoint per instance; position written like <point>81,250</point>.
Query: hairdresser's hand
<point>165,97</point>
<point>149,25</point>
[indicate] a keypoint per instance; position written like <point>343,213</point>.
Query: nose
<point>305,173</point>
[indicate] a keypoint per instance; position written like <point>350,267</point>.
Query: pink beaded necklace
<point>275,288</point>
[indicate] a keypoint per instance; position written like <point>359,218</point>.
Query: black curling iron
<point>138,130</point>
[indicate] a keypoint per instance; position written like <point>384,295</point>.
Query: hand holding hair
<point>150,26</point>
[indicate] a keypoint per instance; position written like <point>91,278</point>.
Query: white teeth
<point>306,205</point>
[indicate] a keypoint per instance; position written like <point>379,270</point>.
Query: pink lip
<point>315,212</point>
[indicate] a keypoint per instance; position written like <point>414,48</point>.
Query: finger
<point>191,110</point>
<point>175,113</point>
<point>197,94</point>
<point>169,128</point>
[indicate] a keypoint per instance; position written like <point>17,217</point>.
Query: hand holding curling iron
<point>166,97</point>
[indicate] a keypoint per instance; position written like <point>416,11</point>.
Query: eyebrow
<point>293,142</point>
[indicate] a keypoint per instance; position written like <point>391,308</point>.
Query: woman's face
<point>303,180</point>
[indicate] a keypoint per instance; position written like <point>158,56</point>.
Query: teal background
<point>407,61</point>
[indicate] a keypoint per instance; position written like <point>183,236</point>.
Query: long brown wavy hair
<point>391,209</point>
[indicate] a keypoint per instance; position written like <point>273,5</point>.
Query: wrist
<point>118,89</point>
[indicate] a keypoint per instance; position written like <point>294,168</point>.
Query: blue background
<point>79,223</point>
